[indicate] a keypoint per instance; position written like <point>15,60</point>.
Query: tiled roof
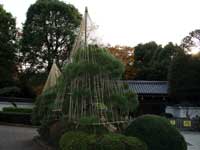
<point>148,87</point>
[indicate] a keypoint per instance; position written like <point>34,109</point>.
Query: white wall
<point>181,112</point>
<point>19,105</point>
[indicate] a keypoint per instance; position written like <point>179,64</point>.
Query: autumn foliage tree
<point>125,54</point>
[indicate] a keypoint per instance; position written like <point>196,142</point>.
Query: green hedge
<point>17,110</point>
<point>84,141</point>
<point>119,142</point>
<point>157,133</point>
<point>19,118</point>
<point>76,141</point>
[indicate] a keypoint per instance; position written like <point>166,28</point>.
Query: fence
<point>185,124</point>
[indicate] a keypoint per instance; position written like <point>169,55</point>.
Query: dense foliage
<point>83,141</point>
<point>43,106</point>
<point>157,133</point>
<point>10,91</point>
<point>184,79</point>
<point>119,142</point>
<point>76,141</point>
<point>18,90</point>
<point>7,48</point>
<point>48,34</point>
<point>103,63</point>
<point>152,61</point>
<point>17,110</point>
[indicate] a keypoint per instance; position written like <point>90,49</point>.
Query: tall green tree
<point>163,59</point>
<point>152,61</point>
<point>48,33</point>
<point>7,47</point>
<point>144,55</point>
<point>184,79</point>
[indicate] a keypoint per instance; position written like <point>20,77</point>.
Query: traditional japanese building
<point>153,96</point>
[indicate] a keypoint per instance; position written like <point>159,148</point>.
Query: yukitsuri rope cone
<point>53,76</point>
<point>89,89</point>
<point>89,86</point>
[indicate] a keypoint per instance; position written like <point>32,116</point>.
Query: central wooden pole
<point>86,15</point>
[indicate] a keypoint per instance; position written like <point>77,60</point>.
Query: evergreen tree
<point>7,47</point>
<point>48,33</point>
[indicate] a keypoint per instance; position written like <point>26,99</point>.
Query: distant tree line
<point>171,62</point>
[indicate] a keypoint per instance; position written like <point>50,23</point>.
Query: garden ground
<point>17,138</point>
<point>192,139</point>
<point>21,138</point>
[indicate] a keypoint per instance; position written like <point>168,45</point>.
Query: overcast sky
<point>129,22</point>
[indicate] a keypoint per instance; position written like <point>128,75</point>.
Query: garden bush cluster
<point>84,141</point>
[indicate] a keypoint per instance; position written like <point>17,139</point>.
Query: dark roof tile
<point>148,87</point>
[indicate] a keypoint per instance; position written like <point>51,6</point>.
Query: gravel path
<point>17,138</point>
<point>193,139</point>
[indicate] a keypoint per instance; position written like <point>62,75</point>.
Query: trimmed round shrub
<point>76,141</point>
<point>84,141</point>
<point>157,133</point>
<point>119,142</point>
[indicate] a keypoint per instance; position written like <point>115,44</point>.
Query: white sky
<point>129,22</point>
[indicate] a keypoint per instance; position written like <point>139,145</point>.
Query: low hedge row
<point>18,110</point>
<point>16,115</point>
<point>84,141</point>
<point>19,118</point>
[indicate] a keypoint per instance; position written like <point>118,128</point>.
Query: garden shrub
<point>86,124</point>
<point>44,129</point>
<point>119,142</point>
<point>42,113</point>
<point>58,128</point>
<point>43,106</point>
<point>15,117</point>
<point>76,141</point>
<point>157,133</point>
<point>17,110</point>
<point>84,141</point>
